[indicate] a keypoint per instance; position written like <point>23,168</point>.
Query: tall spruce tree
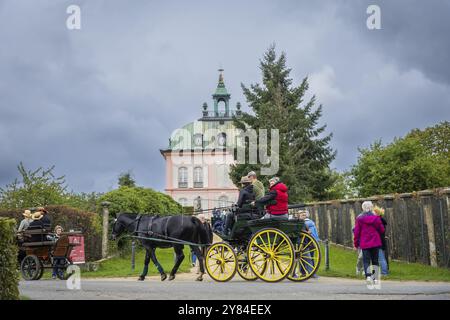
<point>304,152</point>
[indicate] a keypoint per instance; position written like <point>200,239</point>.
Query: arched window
<point>223,201</point>
<point>183,202</point>
<point>221,108</point>
<point>182,177</point>
<point>198,177</point>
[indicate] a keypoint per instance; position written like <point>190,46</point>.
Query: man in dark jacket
<point>246,196</point>
<point>41,221</point>
<point>276,201</point>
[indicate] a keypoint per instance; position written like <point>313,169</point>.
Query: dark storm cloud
<point>414,34</point>
<point>104,99</point>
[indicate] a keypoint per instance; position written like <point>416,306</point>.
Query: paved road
<point>185,288</point>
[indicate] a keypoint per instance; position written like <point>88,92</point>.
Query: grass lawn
<point>343,263</point>
<point>121,267</point>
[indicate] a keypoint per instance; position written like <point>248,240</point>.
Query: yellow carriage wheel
<point>307,257</point>
<point>270,254</point>
<point>243,268</point>
<point>221,262</point>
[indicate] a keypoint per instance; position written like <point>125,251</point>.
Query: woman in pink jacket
<point>367,237</point>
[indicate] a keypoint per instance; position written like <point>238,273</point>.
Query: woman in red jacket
<point>276,200</point>
<point>367,236</point>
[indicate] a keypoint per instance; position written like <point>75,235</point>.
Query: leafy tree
<point>126,180</point>
<point>83,201</point>
<point>418,161</point>
<point>342,187</point>
<point>436,139</point>
<point>140,200</point>
<point>41,187</point>
<point>304,153</point>
<point>35,188</point>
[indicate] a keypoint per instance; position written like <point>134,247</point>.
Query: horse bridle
<point>138,219</point>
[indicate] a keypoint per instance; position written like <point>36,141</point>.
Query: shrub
<point>140,200</point>
<point>70,218</point>
<point>9,277</point>
<point>137,200</point>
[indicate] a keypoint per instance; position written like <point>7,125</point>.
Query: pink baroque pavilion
<point>200,153</point>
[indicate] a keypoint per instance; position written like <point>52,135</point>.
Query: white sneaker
<point>369,281</point>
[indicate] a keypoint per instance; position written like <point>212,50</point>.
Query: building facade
<point>200,153</point>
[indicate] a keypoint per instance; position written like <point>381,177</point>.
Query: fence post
<point>133,254</point>
<point>428,214</point>
<point>105,206</point>
<point>446,235</point>
<point>327,255</point>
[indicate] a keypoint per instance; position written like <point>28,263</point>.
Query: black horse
<point>172,231</point>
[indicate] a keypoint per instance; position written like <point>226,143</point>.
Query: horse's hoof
<point>163,277</point>
<point>199,279</point>
<point>171,277</point>
<point>141,278</point>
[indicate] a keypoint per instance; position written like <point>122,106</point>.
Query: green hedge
<point>140,200</point>
<point>70,218</point>
<point>9,276</point>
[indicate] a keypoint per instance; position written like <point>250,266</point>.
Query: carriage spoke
<point>304,260</point>
<point>301,242</point>
<point>276,249</point>
<point>303,252</point>
<point>303,268</point>
<point>279,266</point>
<point>268,241</point>
<point>264,243</point>
<point>274,240</point>
<point>263,250</point>
<point>306,246</point>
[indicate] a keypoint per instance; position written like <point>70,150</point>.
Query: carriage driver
<point>246,196</point>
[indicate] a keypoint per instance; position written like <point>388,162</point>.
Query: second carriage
<point>39,250</point>
<point>268,249</point>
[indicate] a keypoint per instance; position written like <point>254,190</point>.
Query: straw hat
<point>42,209</point>
<point>37,215</point>
<point>27,214</point>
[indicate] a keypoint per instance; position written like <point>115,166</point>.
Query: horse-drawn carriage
<point>39,249</point>
<point>267,249</point>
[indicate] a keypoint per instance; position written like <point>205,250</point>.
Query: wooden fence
<point>418,227</point>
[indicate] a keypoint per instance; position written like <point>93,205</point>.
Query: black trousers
<point>370,256</point>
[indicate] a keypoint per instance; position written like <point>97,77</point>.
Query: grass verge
<point>343,264</point>
<point>121,266</point>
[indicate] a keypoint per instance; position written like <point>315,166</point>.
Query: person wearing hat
<point>258,187</point>
<point>40,219</point>
<point>246,196</point>
<point>276,200</point>
<point>25,223</point>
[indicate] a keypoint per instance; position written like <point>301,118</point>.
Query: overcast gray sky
<point>104,99</point>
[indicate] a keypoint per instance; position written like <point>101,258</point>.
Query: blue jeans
<point>383,263</point>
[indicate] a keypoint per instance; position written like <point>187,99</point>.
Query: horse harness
<point>149,231</point>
